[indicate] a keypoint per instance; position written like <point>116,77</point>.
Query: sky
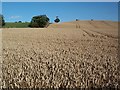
<point>67,11</point>
<point>60,0</point>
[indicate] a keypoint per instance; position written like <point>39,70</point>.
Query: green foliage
<point>16,25</point>
<point>39,21</point>
<point>2,21</point>
<point>19,21</point>
<point>35,24</point>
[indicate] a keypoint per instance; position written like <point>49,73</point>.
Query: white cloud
<point>15,17</point>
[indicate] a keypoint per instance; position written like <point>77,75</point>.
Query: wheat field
<point>78,54</point>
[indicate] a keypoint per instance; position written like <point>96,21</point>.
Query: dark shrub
<point>57,19</point>
<point>91,19</point>
<point>19,21</point>
<point>77,19</point>
<point>39,21</point>
<point>2,21</point>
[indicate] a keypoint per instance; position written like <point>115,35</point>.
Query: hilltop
<point>86,24</point>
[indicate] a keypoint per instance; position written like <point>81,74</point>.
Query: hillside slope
<point>86,24</point>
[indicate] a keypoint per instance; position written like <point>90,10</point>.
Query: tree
<point>19,21</point>
<point>39,21</point>
<point>77,19</point>
<point>2,21</point>
<point>91,19</point>
<point>57,19</point>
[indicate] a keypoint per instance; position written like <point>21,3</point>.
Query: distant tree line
<point>39,21</point>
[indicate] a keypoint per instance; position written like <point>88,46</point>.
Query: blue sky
<point>67,11</point>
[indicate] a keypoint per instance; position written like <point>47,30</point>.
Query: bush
<point>57,19</point>
<point>2,21</point>
<point>91,19</point>
<point>39,21</point>
<point>77,19</point>
<point>19,21</point>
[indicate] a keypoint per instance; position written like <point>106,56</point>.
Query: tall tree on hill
<point>57,20</point>
<point>2,21</point>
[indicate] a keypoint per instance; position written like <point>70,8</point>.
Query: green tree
<point>2,21</point>
<point>19,21</point>
<point>39,21</point>
<point>57,19</point>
